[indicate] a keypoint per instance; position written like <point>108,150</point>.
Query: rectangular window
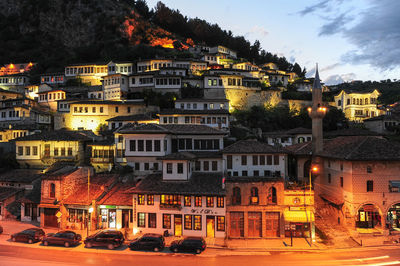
<point>197,166</point>
<point>62,151</point>
<point>149,145</point>
<point>197,201</point>
<point>180,168</point>
<point>137,166</point>
<point>256,173</point>
<point>101,109</point>
<point>188,201</point>
<point>157,145</point>
<point>269,159</point>
<point>141,219</point>
<point>55,151</point>
<point>210,202</point>
<point>167,221</point>
<point>244,173</point>
<point>341,181</point>
<point>220,223</point>
<point>220,202</point>
<point>188,222</point>
<point>262,160</point>
<point>244,159</point>
<point>206,165</point>
<point>370,186</point>
<point>276,159</point>
<point>120,139</point>
<point>140,145</point>
<point>214,165</point>
<point>35,150</point>
<point>150,199</point>
<point>152,220</point>
<point>197,222</point>
<point>141,199</point>
<point>69,151</point>
<point>27,150</point>
<point>169,168</point>
<point>132,145</point>
<point>146,166</point>
<point>229,161</point>
<point>255,159</point>
<point>329,178</point>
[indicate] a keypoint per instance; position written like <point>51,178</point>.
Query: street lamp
<point>313,169</point>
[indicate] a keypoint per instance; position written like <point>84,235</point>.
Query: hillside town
<point>94,152</point>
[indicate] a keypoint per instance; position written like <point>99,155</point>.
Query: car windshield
<point>59,235</point>
<point>28,232</point>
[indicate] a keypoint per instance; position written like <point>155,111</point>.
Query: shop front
<point>299,222</point>
<point>115,217</point>
<point>368,216</point>
<point>77,217</point>
<point>393,218</point>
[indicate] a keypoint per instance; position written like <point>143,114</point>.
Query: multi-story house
<point>384,123</point>
<point>277,77</point>
<point>224,51</point>
<point>124,68</point>
<point>16,82</point>
<point>358,106</point>
<point>115,87</point>
<point>122,120</point>
<point>43,149</point>
<point>52,78</point>
<point>288,137</point>
<point>142,146</point>
<point>251,158</point>
<point>90,114</point>
<point>88,73</point>
<point>210,112</point>
<point>245,66</point>
<point>6,94</point>
<point>17,68</point>
<point>180,201</point>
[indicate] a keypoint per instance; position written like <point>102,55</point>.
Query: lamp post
<point>313,169</point>
<point>89,220</point>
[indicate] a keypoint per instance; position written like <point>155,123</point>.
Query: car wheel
<point>198,251</point>
<point>66,244</point>
<point>88,245</point>
<point>13,239</point>
<point>45,243</point>
<point>175,250</point>
<point>110,246</point>
<point>30,241</point>
<point>156,249</point>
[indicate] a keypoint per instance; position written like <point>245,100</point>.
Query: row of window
<point>20,150</point>
<point>10,114</point>
<point>256,160</point>
<point>206,166</point>
<point>12,80</point>
<point>267,173</point>
<point>168,81</point>
<point>103,153</point>
<point>175,200</point>
<point>84,70</point>
<point>254,198</point>
<point>52,96</point>
<point>86,109</point>
<point>148,145</point>
<point>112,81</point>
<point>52,79</point>
<point>205,106</point>
<point>205,120</point>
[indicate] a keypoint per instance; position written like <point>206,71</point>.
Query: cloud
<point>313,8</point>
<point>335,25</point>
<point>329,67</point>
<point>258,30</point>
<point>337,79</point>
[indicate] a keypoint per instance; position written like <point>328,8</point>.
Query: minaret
<point>317,113</point>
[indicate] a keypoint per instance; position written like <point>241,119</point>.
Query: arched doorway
<point>393,217</point>
<point>307,166</point>
<point>368,216</point>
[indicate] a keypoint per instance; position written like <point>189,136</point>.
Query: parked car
<point>1,229</point>
<point>189,244</point>
<point>30,235</point>
<point>154,242</point>
<point>65,238</point>
<point>105,238</point>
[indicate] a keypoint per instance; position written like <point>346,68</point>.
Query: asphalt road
<point>25,255</point>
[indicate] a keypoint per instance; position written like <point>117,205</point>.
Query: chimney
<point>317,113</point>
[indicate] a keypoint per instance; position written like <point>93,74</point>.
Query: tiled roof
<point>99,186</point>
<point>354,148</point>
<point>33,196</point>
<point>57,172</point>
<point>198,184</point>
<point>350,132</point>
<point>137,117</point>
<point>252,179</point>
<point>290,132</point>
<point>252,146</point>
<point>194,112</point>
<point>56,135</point>
<point>26,176</point>
<point>172,129</point>
<point>6,192</point>
<point>119,195</point>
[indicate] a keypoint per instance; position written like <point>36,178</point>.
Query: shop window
<point>188,222</point>
<point>254,195</point>
<point>220,202</point>
<point>370,186</point>
<point>167,221</point>
<point>171,200</point>
<point>236,196</point>
<point>141,199</point>
<point>221,223</point>
<point>272,199</point>
<point>150,199</point>
<point>197,201</point>
<point>187,201</point>
<point>152,220</point>
<point>141,219</point>
<point>197,222</point>
<point>210,202</point>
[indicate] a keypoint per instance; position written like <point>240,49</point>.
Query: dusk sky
<point>351,40</point>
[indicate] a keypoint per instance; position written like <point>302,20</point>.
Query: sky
<point>349,39</point>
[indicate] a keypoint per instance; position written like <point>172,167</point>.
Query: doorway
<point>125,218</point>
<point>50,218</point>
<point>272,224</point>
<point>210,226</point>
<point>112,218</point>
<point>177,225</point>
<point>34,213</point>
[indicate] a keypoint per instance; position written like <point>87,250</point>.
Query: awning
<point>51,206</point>
<point>298,216</point>
<point>337,202</point>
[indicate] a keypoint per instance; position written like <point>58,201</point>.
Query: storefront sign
<point>108,207</point>
<point>297,208</point>
<point>203,211</point>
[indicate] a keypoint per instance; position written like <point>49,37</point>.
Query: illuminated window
<point>220,202</point>
<point>197,201</point>
<point>197,222</point>
<point>188,222</point>
<point>167,221</point>
<point>150,199</point>
<point>141,199</point>
<point>152,220</point>
<point>141,219</point>
<point>210,202</point>
<point>188,201</point>
<point>52,192</point>
<point>220,223</point>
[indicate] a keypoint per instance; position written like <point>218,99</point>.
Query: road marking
<point>383,263</point>
<point>367,259</point>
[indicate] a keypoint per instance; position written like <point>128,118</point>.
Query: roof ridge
<point>358,146</point>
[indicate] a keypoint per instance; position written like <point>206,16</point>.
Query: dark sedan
<point>189,244</point>
<point>153,242</point>
<point>107,238</point>
<point>63,238</point>
<point>30,235</point>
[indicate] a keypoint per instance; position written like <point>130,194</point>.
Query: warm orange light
<point>11,66</point>
<point>309,109</point>
<point>315,169</point>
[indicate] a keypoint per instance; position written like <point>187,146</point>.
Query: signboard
<point>299,208</point>
<point>58,214</point>
<point>204,211</point>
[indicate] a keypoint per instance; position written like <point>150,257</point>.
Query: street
<point>11,255</point>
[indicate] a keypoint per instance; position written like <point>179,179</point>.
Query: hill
<point>55,33</point>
